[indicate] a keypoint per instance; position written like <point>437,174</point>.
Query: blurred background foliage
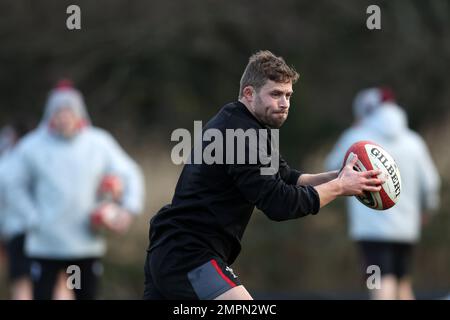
<point>149,67</point>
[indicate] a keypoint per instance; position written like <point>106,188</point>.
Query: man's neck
<point>245,103</point>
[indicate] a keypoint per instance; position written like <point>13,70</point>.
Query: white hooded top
<point>53,183</point>
<point>387,126</point>
<point>11,223</point>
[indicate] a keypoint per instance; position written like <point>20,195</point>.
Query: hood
<point>65,96</point>
<point>389,120</point>
<point>368,100</point>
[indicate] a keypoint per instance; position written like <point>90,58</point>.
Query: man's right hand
<point>354,183</point>
<point>349,183</point>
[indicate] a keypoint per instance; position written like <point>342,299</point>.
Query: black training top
<point>213,202</point>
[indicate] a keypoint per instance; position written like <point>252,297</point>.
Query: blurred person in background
<point>12,227</point>
<point>5,145</point>
<point>387,239</point>
<point>365,103</point>
<point>54,182</point>
<point>8,138</point>
<point>13,224</point>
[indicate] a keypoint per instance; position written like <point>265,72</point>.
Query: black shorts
<point>393,258</point>
<point>44,275</point>
<point>18,262</point>
<point>170,275</point>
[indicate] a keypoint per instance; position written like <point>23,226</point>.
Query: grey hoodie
<point>54,180</point>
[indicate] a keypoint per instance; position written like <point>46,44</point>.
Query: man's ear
<point>247,92</point>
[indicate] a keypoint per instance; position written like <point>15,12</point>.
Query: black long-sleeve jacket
<point>213,202</point>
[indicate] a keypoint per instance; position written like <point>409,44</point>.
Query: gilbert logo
<point>389,167</point>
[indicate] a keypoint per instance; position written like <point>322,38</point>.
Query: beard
<point>268,117</point>
<point>276,120</point>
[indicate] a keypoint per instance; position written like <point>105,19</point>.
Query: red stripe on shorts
<point>219,271</point>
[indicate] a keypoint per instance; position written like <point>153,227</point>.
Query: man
<point>195,239</point>
<point>53,184</point>
<point>387,239</point>
<point>12,229</point>
<point>13,225</point>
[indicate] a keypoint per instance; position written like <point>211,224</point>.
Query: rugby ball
<point>110,189</point>
<point>108,208</point>
<point>372,156</point>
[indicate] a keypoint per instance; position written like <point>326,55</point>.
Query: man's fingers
<point>354,160</point>
<point>372,188</point>
<point>371,173</point>
<point>375,181</point>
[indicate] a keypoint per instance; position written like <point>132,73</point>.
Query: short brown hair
<point>263,66</point>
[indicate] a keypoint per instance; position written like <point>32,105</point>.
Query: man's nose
<point>284,103</point>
